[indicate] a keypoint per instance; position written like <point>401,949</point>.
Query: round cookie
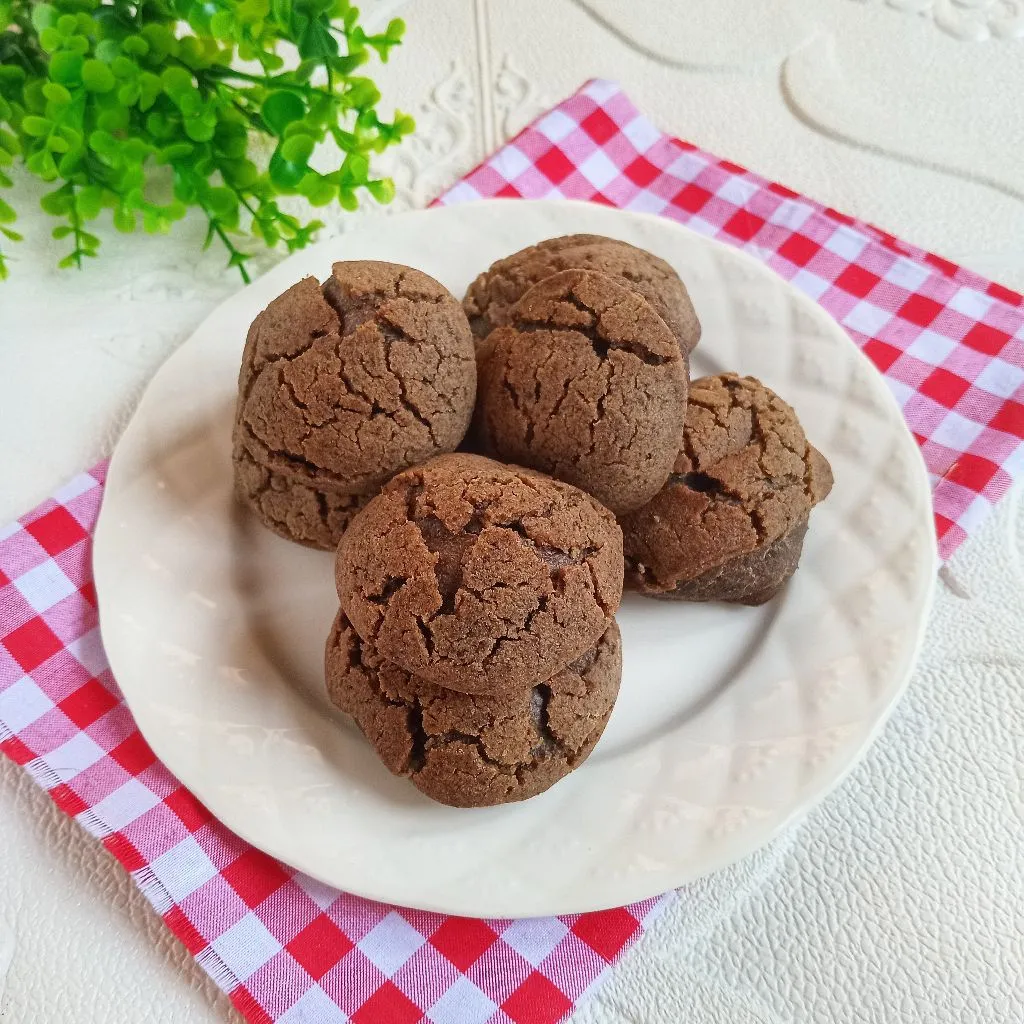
<point>729,525</point>
<point>343,385</point>
<point>490,298</point>
<point>474,751</point>
<point>587,385</point>
<point>292,509</point>
<point>480,577</point>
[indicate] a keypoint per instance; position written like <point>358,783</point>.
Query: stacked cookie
<point>475,645</point>
<point>342,386</point>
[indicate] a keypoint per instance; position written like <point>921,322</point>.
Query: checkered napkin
<point>287,948</point>
<point>949,343</point>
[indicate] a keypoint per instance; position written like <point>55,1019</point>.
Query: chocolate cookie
<point>729,525</point>
<point>490,298</point>
<point>588,385</point>
<point>343,385</point>
<point>480,577</point>
<point>474,751</point>
<point>292,509</point>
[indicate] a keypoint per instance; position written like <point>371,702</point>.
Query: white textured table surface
<point>902,896</point>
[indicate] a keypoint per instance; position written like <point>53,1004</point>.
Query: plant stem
<point>76,226</point>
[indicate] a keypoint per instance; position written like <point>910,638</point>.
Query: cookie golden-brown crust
<point>587,385</point>
<point>478,576</point>
<point>474,751</point>
<point>343,385</point>
<point>729,524</point>
<point>491,297</point>
<point>292,509</point>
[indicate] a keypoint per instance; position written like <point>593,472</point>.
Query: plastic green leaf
<point>280,108</point>
<point>198,129</point>
<point>43,16</point>
<point>297,149</point>
<point>285,174</point>
<point>89,202</point>
<point>124,220</point>
<point>56,93</point>
<point>50,40</point>
<point>56,203</point>
<point>37,127</point>
<point>97,76</point>
<point>62,231</point>
<point>66,68</point>
<point>176,81</point>
<point>107,50</point>
<point>383,189</point>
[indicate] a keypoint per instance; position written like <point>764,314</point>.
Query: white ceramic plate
<point>730,720</point>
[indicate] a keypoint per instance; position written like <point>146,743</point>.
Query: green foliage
<point>108,98</point>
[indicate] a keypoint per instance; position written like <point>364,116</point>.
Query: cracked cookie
<point>478,576</point>
<point>729,524</point>
<point>492,296</point>
<point>343,385</point>
<point>474,751</point>
<point>292,509</point>
<point>587,384</point>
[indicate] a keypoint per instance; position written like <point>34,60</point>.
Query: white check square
<point>1000,378</point>
<point>534,938</point>
<point>642,134</point>
<point>847,243</point>
<point>556,126</point>
<point>72,758</point>
<point>45,585</point>
<point>931,348</point>
<point>125,805</point>
<point>22,703</point>
<point>315,1007</point>
<point>598,169</point>
<point>183,869</point>
<point>463,1003</point>
<point>867,318</point>
<point>391,943</point>
<point>956,432</point>
<point>245,947</point>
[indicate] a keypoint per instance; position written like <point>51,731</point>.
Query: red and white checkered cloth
<point>949,343</point>
<point>287,948</point>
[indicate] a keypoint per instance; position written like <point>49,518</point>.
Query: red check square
<point>57,530</point>
<point>388,1005</point>
<point>945,387</point>
<point>32,643</point>
<point>599,126</point>
<point>857,281</point>
<point>319,946</point>
<point>555,165</point>
<point>641,172</point>
<point>983,338</point>
<point>920,310</point>
<point>88,703</point>
<point>463,940</point>
<point>607,932</point>
<point>799,249</point>
<point>693,198</point>
<point>254,876</point>
<point>743,225</point>
<point>536,1001</point>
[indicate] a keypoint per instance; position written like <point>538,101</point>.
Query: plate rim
<point>243,825</point>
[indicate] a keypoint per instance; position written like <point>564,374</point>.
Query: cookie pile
<point>475,645</point>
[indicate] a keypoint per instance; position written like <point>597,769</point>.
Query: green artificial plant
<point>114,101</point>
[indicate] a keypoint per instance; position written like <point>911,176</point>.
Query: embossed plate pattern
<point>731,721</point>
